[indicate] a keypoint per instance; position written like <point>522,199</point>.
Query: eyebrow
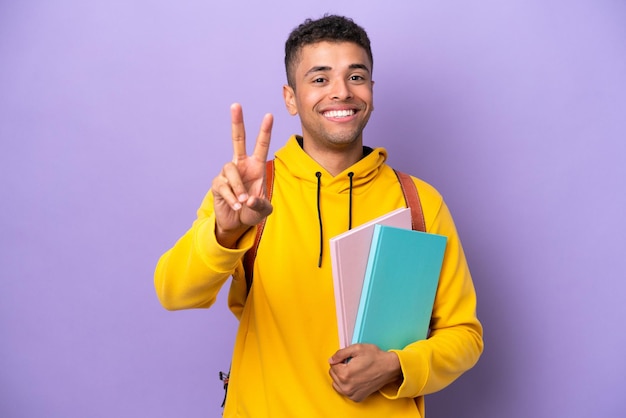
<point>322,68</point>
<point>359,66</point>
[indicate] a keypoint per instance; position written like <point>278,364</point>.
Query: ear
<point>290,100</point>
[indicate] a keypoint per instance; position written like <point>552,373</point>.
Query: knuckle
<point>215,185</point>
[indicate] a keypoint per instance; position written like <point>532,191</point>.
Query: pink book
<point>349,253</point>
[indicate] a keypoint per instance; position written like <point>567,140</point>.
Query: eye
<point>319,80</point>
<point>357,77</point>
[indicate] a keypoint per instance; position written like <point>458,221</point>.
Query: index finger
<point>238,132</point>
<point>262,146</point>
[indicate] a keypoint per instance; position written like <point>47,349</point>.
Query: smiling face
<point>332,94</point>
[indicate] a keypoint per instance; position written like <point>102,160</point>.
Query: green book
<point>399,287</point>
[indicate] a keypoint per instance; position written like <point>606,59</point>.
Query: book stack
<point>385,277</point>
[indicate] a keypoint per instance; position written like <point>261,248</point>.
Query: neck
<point>335,160</point>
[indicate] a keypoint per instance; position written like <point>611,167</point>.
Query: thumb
<point>261,205</point>
<point>342,356</point>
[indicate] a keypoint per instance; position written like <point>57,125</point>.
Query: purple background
<point>114,118</point>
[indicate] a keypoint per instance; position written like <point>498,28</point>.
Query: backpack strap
<point>412,199</point>
<point>249,257</point>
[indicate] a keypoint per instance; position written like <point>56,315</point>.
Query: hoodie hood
<point>304,168</point>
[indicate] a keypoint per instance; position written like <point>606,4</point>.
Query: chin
<point>343,139</point>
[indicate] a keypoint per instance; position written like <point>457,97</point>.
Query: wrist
<point>393,367</point>
<point>229,238</point>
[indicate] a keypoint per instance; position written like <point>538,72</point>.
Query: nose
<point>340,90</point>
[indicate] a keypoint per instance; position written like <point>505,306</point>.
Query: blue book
<point>399,287</point>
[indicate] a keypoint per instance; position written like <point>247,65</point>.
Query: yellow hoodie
<point>287,325</point>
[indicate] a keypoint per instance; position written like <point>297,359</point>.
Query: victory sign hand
<point>239,190</point>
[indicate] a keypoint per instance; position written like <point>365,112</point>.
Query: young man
<point>287,361</point>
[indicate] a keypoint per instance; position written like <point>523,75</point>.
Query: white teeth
<point>339,113</point>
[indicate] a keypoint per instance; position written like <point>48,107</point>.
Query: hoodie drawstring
<point>350,174</point>
<point>319,216</point>
<point>319,211</point>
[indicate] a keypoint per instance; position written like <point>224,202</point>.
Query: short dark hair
<point>330,28</point>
